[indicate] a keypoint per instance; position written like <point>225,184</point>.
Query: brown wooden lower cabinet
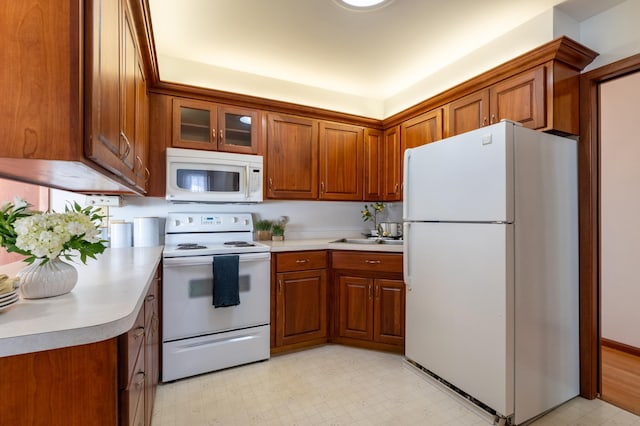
<point>371,309</point>
<point>139,354</point>
<point>369,300</point>
<point>299,298</point>
<point>363,305</point>
<point>76,385</point>
<point>109,383</point>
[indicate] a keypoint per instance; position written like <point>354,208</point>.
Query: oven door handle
<point>206,260</point>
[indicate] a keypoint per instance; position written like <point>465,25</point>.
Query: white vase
<point>47,280</point>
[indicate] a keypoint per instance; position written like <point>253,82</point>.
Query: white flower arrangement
<point>49,235</point>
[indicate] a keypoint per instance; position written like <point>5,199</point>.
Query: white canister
<point>121,234</point>
<point>146,232</point>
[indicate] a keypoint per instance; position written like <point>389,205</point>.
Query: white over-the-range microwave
<point>213,177</point>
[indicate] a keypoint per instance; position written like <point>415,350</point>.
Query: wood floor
<point>620,378</point>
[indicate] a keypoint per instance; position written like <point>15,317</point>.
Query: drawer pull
<point>151,298</point>
<point>139,380</point>
<point>302,260</point>
<point>138,332</point>
<point>373,262</point>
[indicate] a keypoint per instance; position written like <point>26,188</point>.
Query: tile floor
<point>339,385</point>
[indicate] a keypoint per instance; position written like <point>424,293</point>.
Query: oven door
<point>187,296</point>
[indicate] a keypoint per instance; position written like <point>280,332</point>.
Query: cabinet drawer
<point>151,302</point>
<point>132,398</point>
<point>367,261</point>
<point>301,260</point>
<point>129,346</point>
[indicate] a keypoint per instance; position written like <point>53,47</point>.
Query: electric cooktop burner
<point>190,246</point>
<point>239,244</point>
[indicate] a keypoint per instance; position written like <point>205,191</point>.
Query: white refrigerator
<point>491,267</point>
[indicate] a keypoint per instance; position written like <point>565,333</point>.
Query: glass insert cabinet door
<point>209,126</point>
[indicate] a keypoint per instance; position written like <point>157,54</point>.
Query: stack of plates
<point>8,299</point>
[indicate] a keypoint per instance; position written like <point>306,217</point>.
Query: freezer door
<point>468,177</point>
<point>459,310</point>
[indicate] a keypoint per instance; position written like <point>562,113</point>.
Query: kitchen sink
<point>369,241</point>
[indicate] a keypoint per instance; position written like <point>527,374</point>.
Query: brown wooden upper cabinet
<point>392,165</point>
<point>520,98</point>
<point>292,158</point>
<point>141,168</point>
<point>215,127</point>
<point>421,130</point>
<point>469,112</point>
<point>373,164</point>
<point>114,113</point>
<point>309,159</point>
<point>77,121</point>
<point>341,157</point>
<point>382,162</point>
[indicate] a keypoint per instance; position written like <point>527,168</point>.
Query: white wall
<point>199,74</point>
<point>620,209</point>
<point>307,219</point>
<point>526,37</point>
<point>613,33</point>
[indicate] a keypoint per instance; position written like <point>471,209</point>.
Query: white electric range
<point>198,337</point>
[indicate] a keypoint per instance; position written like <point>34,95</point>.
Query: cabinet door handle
<point>213,135</point>
<point>140,171</point>
<point>127,149</point>
<point>395,191</point>
<point>302,260</point>
<point>139,332</point>
<point>147,174</point>
<point>139,380</point>
<point>279,286</point>
<point>150,298</point>
<point>493,118</point>
<point>221,134</point>
<point>370,291</point>
<point>270,184</point>
<point>372,262</point>
<point>484,121</point>
<point>321,187</point>
<point>377,291</point>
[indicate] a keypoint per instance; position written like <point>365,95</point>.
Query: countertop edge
<point>81,335</point>
<point>119,323</point>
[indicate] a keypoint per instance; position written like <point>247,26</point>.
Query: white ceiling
<point>373,54</point>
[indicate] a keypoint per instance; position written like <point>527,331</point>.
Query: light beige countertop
<point>108,297</point>
<point>327,244</point>
<point>104,303</point>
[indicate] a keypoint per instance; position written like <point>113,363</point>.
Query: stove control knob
<point>190,219</point>
<point>246,222</point>
<point>234,220</point>
<point>177,222</point>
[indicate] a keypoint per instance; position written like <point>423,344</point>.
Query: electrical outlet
<point>103,200</point>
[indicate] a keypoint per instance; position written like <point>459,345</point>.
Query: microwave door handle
<point>247,182</point>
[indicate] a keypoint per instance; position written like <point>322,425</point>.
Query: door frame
<point>589,218</point>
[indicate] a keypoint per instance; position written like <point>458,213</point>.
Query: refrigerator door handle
<point>405,258</point>
<point>405,184</point>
